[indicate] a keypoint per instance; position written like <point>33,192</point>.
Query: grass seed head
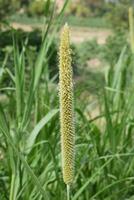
<point>66,107</point>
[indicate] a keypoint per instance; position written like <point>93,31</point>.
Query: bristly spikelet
<point>66,107</point>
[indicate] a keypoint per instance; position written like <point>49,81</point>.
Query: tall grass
<point>30,166</point>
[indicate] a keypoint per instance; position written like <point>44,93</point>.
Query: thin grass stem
<point>68,192</point>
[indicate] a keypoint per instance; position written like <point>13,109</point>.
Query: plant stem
<point>68,192</point>
<point>131,28</point>
<point>12,187</point>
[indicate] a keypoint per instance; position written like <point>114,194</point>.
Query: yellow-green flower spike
<point>66,107</point>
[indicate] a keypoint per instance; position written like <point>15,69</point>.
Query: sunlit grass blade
<point>33,135</point>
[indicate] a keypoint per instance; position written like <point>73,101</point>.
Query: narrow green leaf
<point>3,121</point>
<point>33,135</point>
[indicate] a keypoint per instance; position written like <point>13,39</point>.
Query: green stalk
<point>12,187</point>
<point>68,192</point>
<point>131,28</point>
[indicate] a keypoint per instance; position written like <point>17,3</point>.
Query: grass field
<point>30,142</point>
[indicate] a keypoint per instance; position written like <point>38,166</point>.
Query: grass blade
<point>33,135</point>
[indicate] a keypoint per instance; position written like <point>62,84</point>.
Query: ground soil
<point>80,34</point>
